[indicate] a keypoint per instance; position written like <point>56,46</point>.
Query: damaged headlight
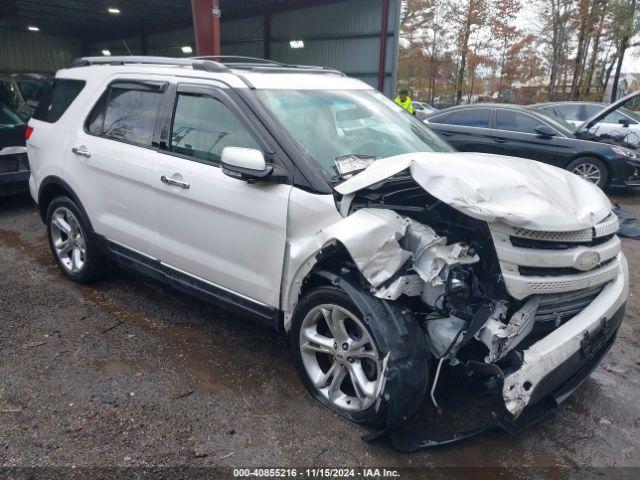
<point>625,153</point>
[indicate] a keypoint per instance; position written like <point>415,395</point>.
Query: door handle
<point>176,183</point>
<point>500,140</point>
<point>446,134</point>
<point>82,151</point>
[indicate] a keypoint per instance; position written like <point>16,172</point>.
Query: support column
<point>267,36</point>
<point>382,67</point>
<point>206,26</point>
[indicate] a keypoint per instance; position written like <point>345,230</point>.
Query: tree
<point>466,17</point>
<point>627,13</point>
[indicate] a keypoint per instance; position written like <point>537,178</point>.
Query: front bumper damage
<point>551,370</point>
<point>410,259</point>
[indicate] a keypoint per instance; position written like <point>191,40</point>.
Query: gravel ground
<point>129,373</point>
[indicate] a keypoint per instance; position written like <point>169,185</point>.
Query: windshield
<point>333,126</point>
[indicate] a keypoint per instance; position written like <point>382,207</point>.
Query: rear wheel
<point>341,354</point>
<point>591,169</point>
<point>72,243</point>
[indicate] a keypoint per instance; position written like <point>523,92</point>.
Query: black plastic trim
<point>261,314</point>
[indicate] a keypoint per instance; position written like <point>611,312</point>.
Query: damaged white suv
<point>315,205</point>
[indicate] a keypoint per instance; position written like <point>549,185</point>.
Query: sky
<point>527,20</point>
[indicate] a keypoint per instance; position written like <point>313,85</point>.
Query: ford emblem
<point>586,260</point>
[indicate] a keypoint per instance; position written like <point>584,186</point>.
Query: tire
<point>72,243</point>
<point>386,330</point>
<point>591,169</point>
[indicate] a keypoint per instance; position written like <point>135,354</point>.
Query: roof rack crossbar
<point>196,64</point>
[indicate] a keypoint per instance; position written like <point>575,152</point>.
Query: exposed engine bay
<point>483,316</point>
<point>448,273</point>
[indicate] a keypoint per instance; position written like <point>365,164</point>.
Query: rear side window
<point>203,126</point>
<point>516,122</point>
<point>472,117</point>
<point>126,114</point>
<point>57,100</point>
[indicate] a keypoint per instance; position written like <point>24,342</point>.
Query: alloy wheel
<point>589,172</point>
<point>340,357</point>
<point>68,240</point>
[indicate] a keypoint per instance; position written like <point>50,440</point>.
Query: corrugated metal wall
<point>344,35</point>
<point>35,51</point>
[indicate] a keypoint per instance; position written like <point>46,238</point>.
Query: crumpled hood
<point>519,192</point>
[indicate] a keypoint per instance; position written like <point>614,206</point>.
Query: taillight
<point>28,133</point>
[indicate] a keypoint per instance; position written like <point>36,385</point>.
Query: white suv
<point>313,204</point>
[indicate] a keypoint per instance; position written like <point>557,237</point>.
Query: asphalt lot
<point>127,372</point>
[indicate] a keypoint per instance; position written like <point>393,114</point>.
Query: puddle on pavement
<point>39,253</point>
<point>217,368</point>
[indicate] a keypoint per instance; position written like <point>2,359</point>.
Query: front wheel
<point>591,169</point>
<point>341,353</point>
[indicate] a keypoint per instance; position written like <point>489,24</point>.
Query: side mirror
<point>245,164</point>
<point>624,122</point>
<point>545,131</point>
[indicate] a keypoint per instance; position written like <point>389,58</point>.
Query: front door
<point>514,135</point>
<point>227,232</point>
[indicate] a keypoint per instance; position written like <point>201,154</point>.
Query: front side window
<point>330,125</point>
<point>129,116</point>
<point>203,126</point>
<point>471,117</point>
<point>513,121</point>
<point>57,99</point>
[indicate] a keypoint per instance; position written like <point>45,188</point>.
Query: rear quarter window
<point>57,99</point>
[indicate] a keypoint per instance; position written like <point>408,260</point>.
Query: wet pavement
<point>127,372</point>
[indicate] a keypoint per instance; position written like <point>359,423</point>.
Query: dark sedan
<point>14,165</point>
<point>519,132</point>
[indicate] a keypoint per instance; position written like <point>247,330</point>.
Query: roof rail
<point>195,63</point>
<point>226,59</point>
<point>265,66</point>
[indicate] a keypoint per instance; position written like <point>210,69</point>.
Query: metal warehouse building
<point>359,37</point>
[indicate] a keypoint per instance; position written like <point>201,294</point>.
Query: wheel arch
<point>52,187</point>
<point>331,258</point>
<point>590,155</point>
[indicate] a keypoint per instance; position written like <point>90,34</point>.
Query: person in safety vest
<point>405,101</point>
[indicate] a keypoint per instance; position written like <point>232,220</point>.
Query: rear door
<point>514,134</point>
<point>114,154</point>
<point>214,228</point>
<point>467,129</point>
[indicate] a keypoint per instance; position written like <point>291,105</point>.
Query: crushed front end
<point>516,318</point>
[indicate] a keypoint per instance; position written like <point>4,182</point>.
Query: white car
<point>311,203</point>
<point>618,123</point>
<point>421,109</point>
